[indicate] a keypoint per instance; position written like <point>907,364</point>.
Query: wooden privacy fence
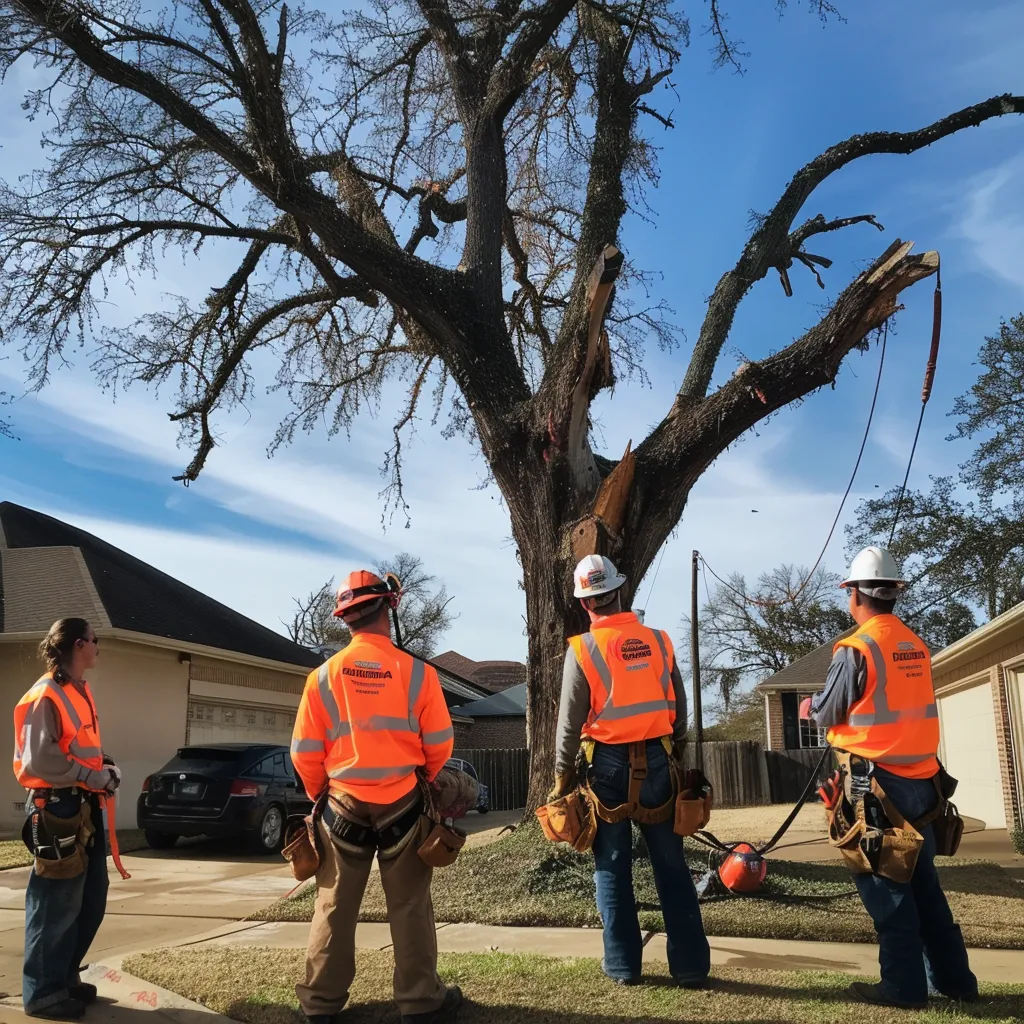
<point>743,773</point>
<point>505,772</point>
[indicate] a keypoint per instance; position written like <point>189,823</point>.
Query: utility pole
<point>698,717</point>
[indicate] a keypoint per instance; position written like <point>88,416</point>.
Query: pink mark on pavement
<point>112,976</point>
<point>145,997</point>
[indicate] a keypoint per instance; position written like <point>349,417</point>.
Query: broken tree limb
<point>613,495</point>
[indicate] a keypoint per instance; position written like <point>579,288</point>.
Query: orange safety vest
<point>896,723</point>
<point>629,669</point>
<point>370,716</point>
<point>80,728</point>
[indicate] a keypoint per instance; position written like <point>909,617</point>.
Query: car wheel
<point>159,840</point>
<point>269,834</point>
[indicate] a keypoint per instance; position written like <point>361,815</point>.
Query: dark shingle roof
<point>808,673</point>
<point>510,702</point>
<point>490,676</point>
<point>138,597</point>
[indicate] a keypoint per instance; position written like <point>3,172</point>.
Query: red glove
<point>831,791</point>
<point>805,708</point>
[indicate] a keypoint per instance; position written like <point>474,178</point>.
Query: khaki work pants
<point>341,881</point>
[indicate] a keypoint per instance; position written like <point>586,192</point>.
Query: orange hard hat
<point>361,587</point>
<point>743,870</point>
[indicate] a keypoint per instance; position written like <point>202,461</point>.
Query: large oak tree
<point>419,188</point>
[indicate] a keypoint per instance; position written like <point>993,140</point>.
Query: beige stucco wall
<point>141,698</point>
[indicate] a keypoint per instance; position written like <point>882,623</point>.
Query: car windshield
<point>210,760</point>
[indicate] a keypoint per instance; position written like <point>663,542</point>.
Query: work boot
<point>445,1012</point>
<point>690,980</point>
<point>82,991</point>
<point>66,1009</point>
<point>876,995</point>
<point>624,981</point>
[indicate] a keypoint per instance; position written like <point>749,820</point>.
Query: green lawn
<point>257,986</point>
<point>523,880</point>
<point>13,853</point>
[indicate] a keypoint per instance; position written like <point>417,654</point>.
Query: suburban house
<point>979,689</point>
<point>491,676</point>
<point>175,665</point>
<point>499,721</point>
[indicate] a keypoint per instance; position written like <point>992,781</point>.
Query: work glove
<point>831,791</point>
<point>564,782</point>
<point>805,708</point>
<point>102,780</point>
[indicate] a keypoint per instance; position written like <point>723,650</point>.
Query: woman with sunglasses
<point>59,759</point>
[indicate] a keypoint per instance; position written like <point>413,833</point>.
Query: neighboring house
<point>783,693</point>
<point>175,666</point>
<point>499,721</point>
<point>492,676</point>
<point>979,689</point>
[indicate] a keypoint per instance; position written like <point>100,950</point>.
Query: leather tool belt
<point>888,844</point>
<point>632,808</point>
<point>387,838</point>
<point>59,845</point>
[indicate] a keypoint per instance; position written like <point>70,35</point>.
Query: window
<point>228,714</point>
<point>250,717</point>
<point>810,735</point>
<point>269,719</point>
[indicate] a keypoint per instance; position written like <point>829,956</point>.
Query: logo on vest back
<point>903,654</point>
<point>634,649</point>
<point>366,670</point>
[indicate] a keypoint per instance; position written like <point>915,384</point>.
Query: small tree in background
<point>423,614</point>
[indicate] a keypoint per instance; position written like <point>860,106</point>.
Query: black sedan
<point>222,789</point>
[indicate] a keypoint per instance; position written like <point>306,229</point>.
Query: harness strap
<point>632,808</point>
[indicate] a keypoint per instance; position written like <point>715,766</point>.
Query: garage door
<point>969,753</point>
<point>214,722</point>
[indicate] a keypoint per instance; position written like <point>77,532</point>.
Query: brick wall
<point>776,737</point>
<point>496,732</point>
<point>463,732</point>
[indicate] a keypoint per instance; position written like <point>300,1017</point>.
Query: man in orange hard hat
<point>622,695</point>
<point>879,706</point>
<point>372,720</point>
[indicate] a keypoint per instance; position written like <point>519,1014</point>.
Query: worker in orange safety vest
<point>371,724</point>
<point>59,759</point>
<point>878,704</point>
<point>623,697</point>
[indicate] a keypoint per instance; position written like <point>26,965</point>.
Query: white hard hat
<point>596,575</point>
<point>875,565</point>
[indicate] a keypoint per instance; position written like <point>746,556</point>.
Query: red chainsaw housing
<point>743,869</point>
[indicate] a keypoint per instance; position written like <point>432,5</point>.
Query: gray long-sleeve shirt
<point>41,755</point>
<point>844,686</point>
<point>574,707</point>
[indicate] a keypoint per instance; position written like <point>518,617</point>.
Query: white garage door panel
<point>210,722</point>
<point>970,755</point>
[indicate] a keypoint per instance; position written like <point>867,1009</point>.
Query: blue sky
<point>255,532</point>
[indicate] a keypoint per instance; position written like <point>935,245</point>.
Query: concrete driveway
<point>176,896</point>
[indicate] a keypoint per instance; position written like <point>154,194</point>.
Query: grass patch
<point>13,853</point>
<point>523,880</point>
<point>257,986</point>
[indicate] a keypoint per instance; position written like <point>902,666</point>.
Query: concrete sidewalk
<point>997,965</point>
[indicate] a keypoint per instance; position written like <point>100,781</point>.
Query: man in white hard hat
<point>623,697</point>
<point>879,706</point>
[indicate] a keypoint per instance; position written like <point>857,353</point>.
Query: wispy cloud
<point>993,220</point>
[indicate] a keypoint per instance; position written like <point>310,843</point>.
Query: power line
<point>839,512</point>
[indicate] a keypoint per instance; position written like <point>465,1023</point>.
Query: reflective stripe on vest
<point>367,774</point>
<point>883,714</point>
<point>611,712</point>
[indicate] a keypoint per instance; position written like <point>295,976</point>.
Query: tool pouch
<point>693,803</point>
<point>301,843</point>
<point>60,845</point>
<point>441,847</point>
<point>890,850</point>
<point>946,822</point>
<point>569,819</point>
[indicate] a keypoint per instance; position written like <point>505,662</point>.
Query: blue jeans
<point>689,957</point>
<point>62,916</point>
<point>919,943</point>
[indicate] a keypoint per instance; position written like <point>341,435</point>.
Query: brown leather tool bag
<point>441,847</point>
<point>693,803</point>
<point>570,819</point>
<point>444,841</point>
<point>891,850</point>
<point>302,844</point>
<point>61,844</point>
